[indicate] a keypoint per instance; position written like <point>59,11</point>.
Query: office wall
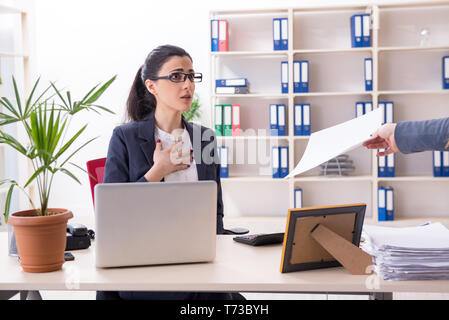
<point>79,43</point>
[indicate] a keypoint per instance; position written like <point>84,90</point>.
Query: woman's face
<point>173,95</point>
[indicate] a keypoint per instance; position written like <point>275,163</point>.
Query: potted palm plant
<point>40,232</point>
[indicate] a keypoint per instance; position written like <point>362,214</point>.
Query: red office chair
<point>96,169</point>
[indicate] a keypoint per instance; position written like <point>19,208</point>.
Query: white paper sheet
<point>328,143</point>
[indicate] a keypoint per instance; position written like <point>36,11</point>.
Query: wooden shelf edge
<point>303,179</point>
<point>251,95</point>
<point>412,48</point>
<point>13,54</point>
<point>413,179</point>
<point>8,9</point>
<point>287,52</point>
<point>305,94</point>
<point>254,179</point>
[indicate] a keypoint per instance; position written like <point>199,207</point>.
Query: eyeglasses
<point>181,77</point>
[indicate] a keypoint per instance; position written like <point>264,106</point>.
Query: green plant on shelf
<point>194,113</point>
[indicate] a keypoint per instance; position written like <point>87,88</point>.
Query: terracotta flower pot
<point>41,240</point>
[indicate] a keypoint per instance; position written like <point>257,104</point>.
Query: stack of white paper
<point>412,253</point>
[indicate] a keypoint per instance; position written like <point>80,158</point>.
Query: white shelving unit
<point>406,70</point>
<point>14,52</point>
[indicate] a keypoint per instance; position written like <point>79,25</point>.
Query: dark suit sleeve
<point>417,136</point>
<point>117,168</point>
<point>117,161</point>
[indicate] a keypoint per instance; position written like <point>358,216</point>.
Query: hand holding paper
<point>328,143</point>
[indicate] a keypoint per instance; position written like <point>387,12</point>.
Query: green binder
<point>227,120</point>
<point>219,120</point>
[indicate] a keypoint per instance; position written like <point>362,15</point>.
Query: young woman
<point>158,144</point>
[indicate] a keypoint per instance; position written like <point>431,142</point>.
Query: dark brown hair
<point>140,101</point>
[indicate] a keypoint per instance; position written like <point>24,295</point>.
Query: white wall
<point>79,43</point>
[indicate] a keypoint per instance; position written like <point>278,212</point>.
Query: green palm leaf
<point>46,123</point>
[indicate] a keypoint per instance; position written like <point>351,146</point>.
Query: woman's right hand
<point>168,161</point>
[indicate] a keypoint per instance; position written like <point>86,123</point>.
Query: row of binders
<point>363,107</point>
<point>441,163</point>
<point>219,35</point>
<point>278,119</point>
<point>280,34</point>
<point>386,165</point>
<point>385,203</point>
<point>231,86</point>
<point>301,75</point>
<point>227,120</point>
<point>278,115</point>
<point>360,33</point>
<point>360,30</point>
<point>300,79</point>
<point>279,161</point>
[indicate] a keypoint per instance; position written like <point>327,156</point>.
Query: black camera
<point>78,237</point>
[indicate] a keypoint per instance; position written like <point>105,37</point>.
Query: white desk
<point>237,267</point>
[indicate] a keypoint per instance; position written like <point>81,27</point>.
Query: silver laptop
<point>155,223</point>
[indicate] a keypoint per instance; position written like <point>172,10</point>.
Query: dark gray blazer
<point>417,136</point>
<point>131,149</point>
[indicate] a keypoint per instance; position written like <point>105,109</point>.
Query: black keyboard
<point>261,239</point>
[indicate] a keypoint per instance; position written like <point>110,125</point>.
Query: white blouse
<point>167,139</point>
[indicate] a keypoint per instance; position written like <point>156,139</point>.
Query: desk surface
<point>237,267</point>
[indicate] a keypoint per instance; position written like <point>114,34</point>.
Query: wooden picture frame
<point>342,224</point>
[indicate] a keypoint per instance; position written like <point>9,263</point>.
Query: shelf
<point>330,94</point>
<point>250,53</point>
<point>414,179</point>
<point>13,54</point>
<point>413,5</point>
<point>284,53</point>
<point>333,179</point>
<point>249,11</point>
<point>303,179</point>
<point>390,49</point>
<point>342,93</point>
<point>254,179</point>
<point>306,8</point>
<point>341,50</point>
<point>405,92</point>
<point>8,9</point>
<point>394,43</point>
<point>252,95</point>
